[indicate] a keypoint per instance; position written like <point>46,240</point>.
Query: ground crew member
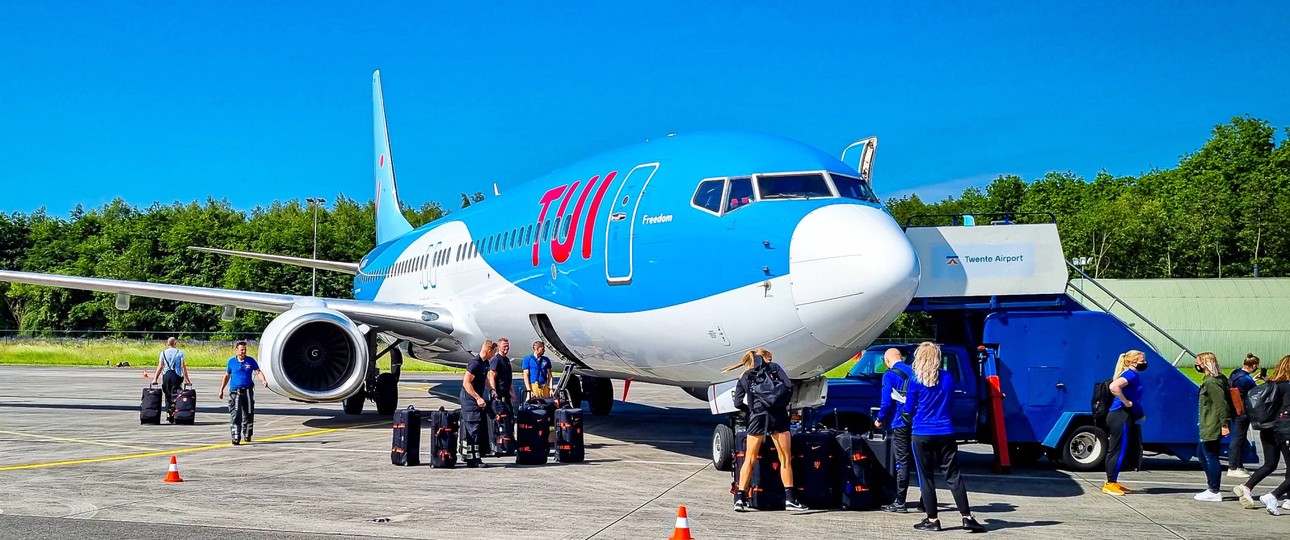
<point>500,373</point>
<point>241,393</point>
<point>537,372</point>
<point>894,384</point>
<point>474,434</point>
<point>173,375</point>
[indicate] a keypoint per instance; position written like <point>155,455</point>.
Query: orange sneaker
<point>1113,488</point>
<point>1123,487</point>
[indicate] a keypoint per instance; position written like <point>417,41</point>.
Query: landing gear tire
<point>574,389</point>
<point>354,404</point>
<point>723,447</point>
<point>387,394</point>
<point>1084,448</point>
<point>600,395</point>
<point>396,364</point>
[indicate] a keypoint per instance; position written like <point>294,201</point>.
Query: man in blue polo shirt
<point>895,383</point>
<point>241,395</point>
<point>537,372</point>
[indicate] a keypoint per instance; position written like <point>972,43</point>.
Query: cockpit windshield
<point>793,186</point>
<point>853,188</point>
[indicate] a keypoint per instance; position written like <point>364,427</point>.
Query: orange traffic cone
<point>682,530</point>
<point>173,474</point>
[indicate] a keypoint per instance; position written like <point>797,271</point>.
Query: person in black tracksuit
<point>928,407</point>
<point>762,422</point>
<point>1279,435</point>
<point>172,371</point>
<point>474,433</point>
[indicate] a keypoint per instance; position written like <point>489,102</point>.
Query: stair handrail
<point>1117,299</point>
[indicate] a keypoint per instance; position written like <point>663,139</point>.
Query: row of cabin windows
<point>503,241</point>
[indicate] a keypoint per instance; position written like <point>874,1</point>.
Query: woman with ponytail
<point>1125,412</point>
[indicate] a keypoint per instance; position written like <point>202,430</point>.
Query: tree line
<point>1223,211</point>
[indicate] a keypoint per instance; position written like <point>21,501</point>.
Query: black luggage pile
<point>530,443</point>
<point>831,469</point>
<point>766,490</point>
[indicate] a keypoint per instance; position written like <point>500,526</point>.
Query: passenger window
<point>709,194</point>
<point>741,194</point>
<point>546,230</point>
<point>564,228</point>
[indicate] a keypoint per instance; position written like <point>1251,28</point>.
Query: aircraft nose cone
<point>853,272</point>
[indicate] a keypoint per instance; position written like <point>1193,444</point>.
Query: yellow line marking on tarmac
<point>82,441</point>
<point>178,450</point>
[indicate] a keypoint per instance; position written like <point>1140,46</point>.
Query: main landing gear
<point>597,391</point>
<point>381,388</point>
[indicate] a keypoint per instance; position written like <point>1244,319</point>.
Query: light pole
<point>315,202</point>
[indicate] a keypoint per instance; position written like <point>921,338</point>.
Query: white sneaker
<point>1246,498</point>
<point>1286,505</point>
<point>1270,502</point>
<point>1238,473</point>
<point>1209,496</point>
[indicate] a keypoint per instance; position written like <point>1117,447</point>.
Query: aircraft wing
<point>404,318</point>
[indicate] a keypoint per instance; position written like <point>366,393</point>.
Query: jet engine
<point>314,354</point>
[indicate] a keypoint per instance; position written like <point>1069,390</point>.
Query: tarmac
<point>75,463</point>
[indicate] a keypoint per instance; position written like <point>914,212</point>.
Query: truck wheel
<point>1084,448</point>
<point>723,447</point>
<point>354,404</point>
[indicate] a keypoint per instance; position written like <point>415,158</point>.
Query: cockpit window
<point>793,186</point>
<point>709,195</point>
<point>853,188</point>
<point>741,194</point>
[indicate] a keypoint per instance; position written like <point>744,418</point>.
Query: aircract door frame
<point>620,228</point>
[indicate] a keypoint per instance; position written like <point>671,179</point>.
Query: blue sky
<point>264,101</point>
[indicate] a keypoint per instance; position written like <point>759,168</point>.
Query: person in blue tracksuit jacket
<point>928,406</point>
<point>894,383</point>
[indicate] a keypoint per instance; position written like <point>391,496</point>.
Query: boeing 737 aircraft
<point>663,262</point>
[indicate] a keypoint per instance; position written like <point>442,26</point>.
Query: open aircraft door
<point>860,156</point>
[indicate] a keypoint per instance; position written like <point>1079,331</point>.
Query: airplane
<point>663,262</point>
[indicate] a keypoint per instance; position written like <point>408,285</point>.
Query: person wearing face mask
<point>1126,410</point>
<point>1213,424</point>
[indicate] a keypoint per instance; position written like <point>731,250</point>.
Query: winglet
<point>390,223</point>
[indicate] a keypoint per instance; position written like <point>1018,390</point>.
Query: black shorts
<point>768,423</point>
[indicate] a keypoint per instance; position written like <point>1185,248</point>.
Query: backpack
<point>904,391</point>
<point>1263,404</point>
<point>1102,399</point>
<point>768,391</point>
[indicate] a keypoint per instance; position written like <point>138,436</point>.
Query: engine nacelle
<point>314,354</point>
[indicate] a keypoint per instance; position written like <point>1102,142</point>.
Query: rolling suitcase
<point>882,470</point>
<point>814,454</point>
<point>407,437</point>
<point>150,406</point>
<point>854,460</point>
<point>186,406</point>
<point>568,436</point>
<point>501,429</point>
<point>766,490</point>
<point>531,429</point>
<point>443,438</point>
